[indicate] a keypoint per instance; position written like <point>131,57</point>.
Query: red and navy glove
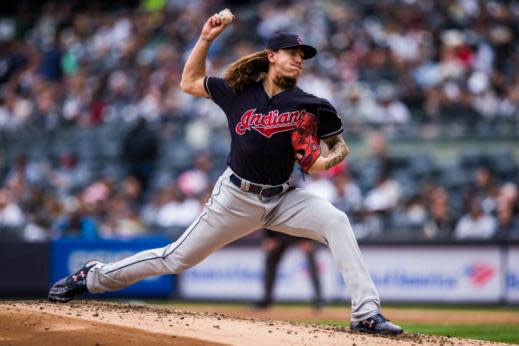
<point>305,141</point>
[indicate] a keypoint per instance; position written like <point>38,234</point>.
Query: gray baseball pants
<point>232,213</point>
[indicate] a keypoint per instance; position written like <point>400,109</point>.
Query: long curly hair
<point>247,70</point>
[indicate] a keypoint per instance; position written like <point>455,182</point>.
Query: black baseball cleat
<point>71,286</point>
<point>376,324</point>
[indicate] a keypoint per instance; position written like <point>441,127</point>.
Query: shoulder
<point>253,87</point>
<point>216,81</point>
<point>297,91</point>
<point>311,98</point>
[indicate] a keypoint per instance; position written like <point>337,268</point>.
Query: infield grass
<point>507,333</point>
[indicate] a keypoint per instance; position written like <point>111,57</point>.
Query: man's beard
<point>285,82</point>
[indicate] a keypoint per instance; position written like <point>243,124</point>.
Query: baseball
<point>226,15</point>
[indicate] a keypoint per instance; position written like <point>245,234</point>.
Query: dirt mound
<point>20,327</point>
<point>452,315</point>
<point>94,322</point>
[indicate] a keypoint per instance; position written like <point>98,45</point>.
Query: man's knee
<point>337,222</point>
<point>180,262</point>
<point>337,218</point>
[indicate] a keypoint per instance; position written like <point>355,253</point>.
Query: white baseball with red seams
<point>226,15</point>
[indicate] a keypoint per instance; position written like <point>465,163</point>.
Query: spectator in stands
<point>96,197</point>
<point>14,111</point>
<point>367,224</point>
<point>41,209</point>
<point>178,211</point>
<point>197,180</point>
<point>385,195</point>
<point>358,105</point>
<point>485,188</point>
<point>377,159</point>
<point>508,197</point>
<point>131,191</point>
<point>11,215</point>
<point>389,111</point>
<point>50,67</point>
<point>140,152</point>
<point>76,224</point>
<point>476,224</point>
<point>18,175</point>
<point>121,221</point>
<point>320,185</point>
<point>507,223</point>
<point>65,68</point>
<point>440,223</point>
<point>348,196</point>
<point>411,217</point>
<point>430,64</point>
<point>150,209</point>
<point>69,175</point>
<point>509,106</point>
<point>46,113</point>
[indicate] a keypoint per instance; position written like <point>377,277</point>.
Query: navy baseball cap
<point>285,40</point>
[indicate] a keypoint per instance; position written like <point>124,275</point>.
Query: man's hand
<point>213,27</point>
<point>193,75</point>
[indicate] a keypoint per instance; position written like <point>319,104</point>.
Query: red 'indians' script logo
<point>268,124</point>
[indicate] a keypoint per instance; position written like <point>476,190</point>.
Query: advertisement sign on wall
<point>237,273</point>
<point>229,273</point>
<point>450,274</point>
<point>512,277</point>
<point>68,256</point>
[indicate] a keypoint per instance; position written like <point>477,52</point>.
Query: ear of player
<point>305,142</point>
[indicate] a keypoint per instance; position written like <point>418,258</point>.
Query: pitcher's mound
<point>100,323</point>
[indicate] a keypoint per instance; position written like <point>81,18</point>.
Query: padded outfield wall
<point>403,272</point>
<point>449,273</point>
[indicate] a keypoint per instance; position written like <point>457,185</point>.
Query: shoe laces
<point>379,318</point>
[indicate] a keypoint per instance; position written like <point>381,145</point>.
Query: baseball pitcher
<point>272,123</point>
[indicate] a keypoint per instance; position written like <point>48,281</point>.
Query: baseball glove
<point>305,141</point>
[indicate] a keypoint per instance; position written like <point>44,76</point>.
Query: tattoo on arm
<point>338,150</point>
<point>335,160</point>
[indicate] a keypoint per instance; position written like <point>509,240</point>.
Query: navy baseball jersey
<point>261,126</point>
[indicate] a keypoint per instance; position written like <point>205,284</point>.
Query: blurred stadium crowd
<point>98,141</point>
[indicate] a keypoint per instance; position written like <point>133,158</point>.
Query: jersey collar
<point>267,93</point>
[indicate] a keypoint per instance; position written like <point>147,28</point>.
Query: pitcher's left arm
<point>338,150</point>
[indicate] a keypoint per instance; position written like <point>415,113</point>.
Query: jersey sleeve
<point>330,123</point>
<point>219,91</point>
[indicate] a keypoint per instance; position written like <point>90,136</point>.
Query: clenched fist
<point>214,26</point>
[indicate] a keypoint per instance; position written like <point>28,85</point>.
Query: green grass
<point>507,333</point>
<point>468,307</point>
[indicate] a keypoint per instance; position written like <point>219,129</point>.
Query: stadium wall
<point>403,272</point>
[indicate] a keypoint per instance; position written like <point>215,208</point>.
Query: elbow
<point>190,87</point>
<point>347,150</point>
<point>184,86</point>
